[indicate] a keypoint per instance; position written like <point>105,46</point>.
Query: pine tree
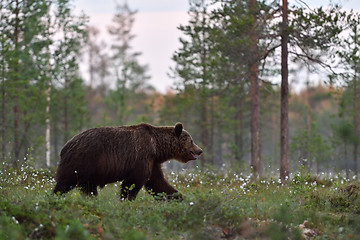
<point>193,67</point>
<point>284,125</point>
<point>130,75</point>
<point>22,29</point>
<point>72,31</point>
<point>350,59</point>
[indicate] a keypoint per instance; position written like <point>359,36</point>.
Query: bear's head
<point>188,150</point>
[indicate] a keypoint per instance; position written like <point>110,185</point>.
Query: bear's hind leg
<point>88,188</point>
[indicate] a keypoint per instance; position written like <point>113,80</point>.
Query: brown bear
<point>131,154</point>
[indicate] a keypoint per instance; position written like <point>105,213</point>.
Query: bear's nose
<point>200,152</point>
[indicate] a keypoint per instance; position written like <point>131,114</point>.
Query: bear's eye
<point>192,141</point>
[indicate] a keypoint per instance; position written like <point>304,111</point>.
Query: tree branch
<point>266,54</point>
<point>315,60</point>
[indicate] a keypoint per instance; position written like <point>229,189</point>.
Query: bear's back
<point>122,140</point>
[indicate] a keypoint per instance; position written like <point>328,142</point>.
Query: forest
<point>233,91</point>
<point>267,88</point>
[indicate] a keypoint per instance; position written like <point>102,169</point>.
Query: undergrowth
<point>215,206</point>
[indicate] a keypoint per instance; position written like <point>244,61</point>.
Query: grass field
<point>215,206</point>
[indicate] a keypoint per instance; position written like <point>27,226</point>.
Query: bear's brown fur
<point>132,154</point>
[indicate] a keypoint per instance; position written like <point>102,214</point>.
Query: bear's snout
<point>200,151</point>
<point>196,151</point>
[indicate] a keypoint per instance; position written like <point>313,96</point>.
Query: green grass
<point>215,206</point>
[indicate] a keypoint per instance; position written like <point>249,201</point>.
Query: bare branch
<point>315,60</point>
<point>302,2</point>
<point>265,54</point>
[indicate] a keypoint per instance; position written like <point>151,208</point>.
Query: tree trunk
<point>122,85</point>
<point>238,129</point>
<point>305,158</point>
<point>204,132</point>
<point>356,144</point>
<point>3,107</point>
<point>203,100</point>
<point>47,127</point>
<point>275,136</point>
<point>47,110</point>
<point>204,97</point>
<point>212,130</point>
<point>255,132</point>
<point>16,90</point>
<point>284,168</point>
<point>346,161</point>
<point>55,141</point>
<point>254,82</point>
<point>318,165</point>
<point>66,114</point>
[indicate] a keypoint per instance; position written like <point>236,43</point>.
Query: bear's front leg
<point>158,186</point>
<point>88,188</point>
<point>129,189</point>
<point>133,182</point>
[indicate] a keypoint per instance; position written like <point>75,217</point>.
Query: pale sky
<point>156,30</point>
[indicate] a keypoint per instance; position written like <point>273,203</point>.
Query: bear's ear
<point>178,129</point>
